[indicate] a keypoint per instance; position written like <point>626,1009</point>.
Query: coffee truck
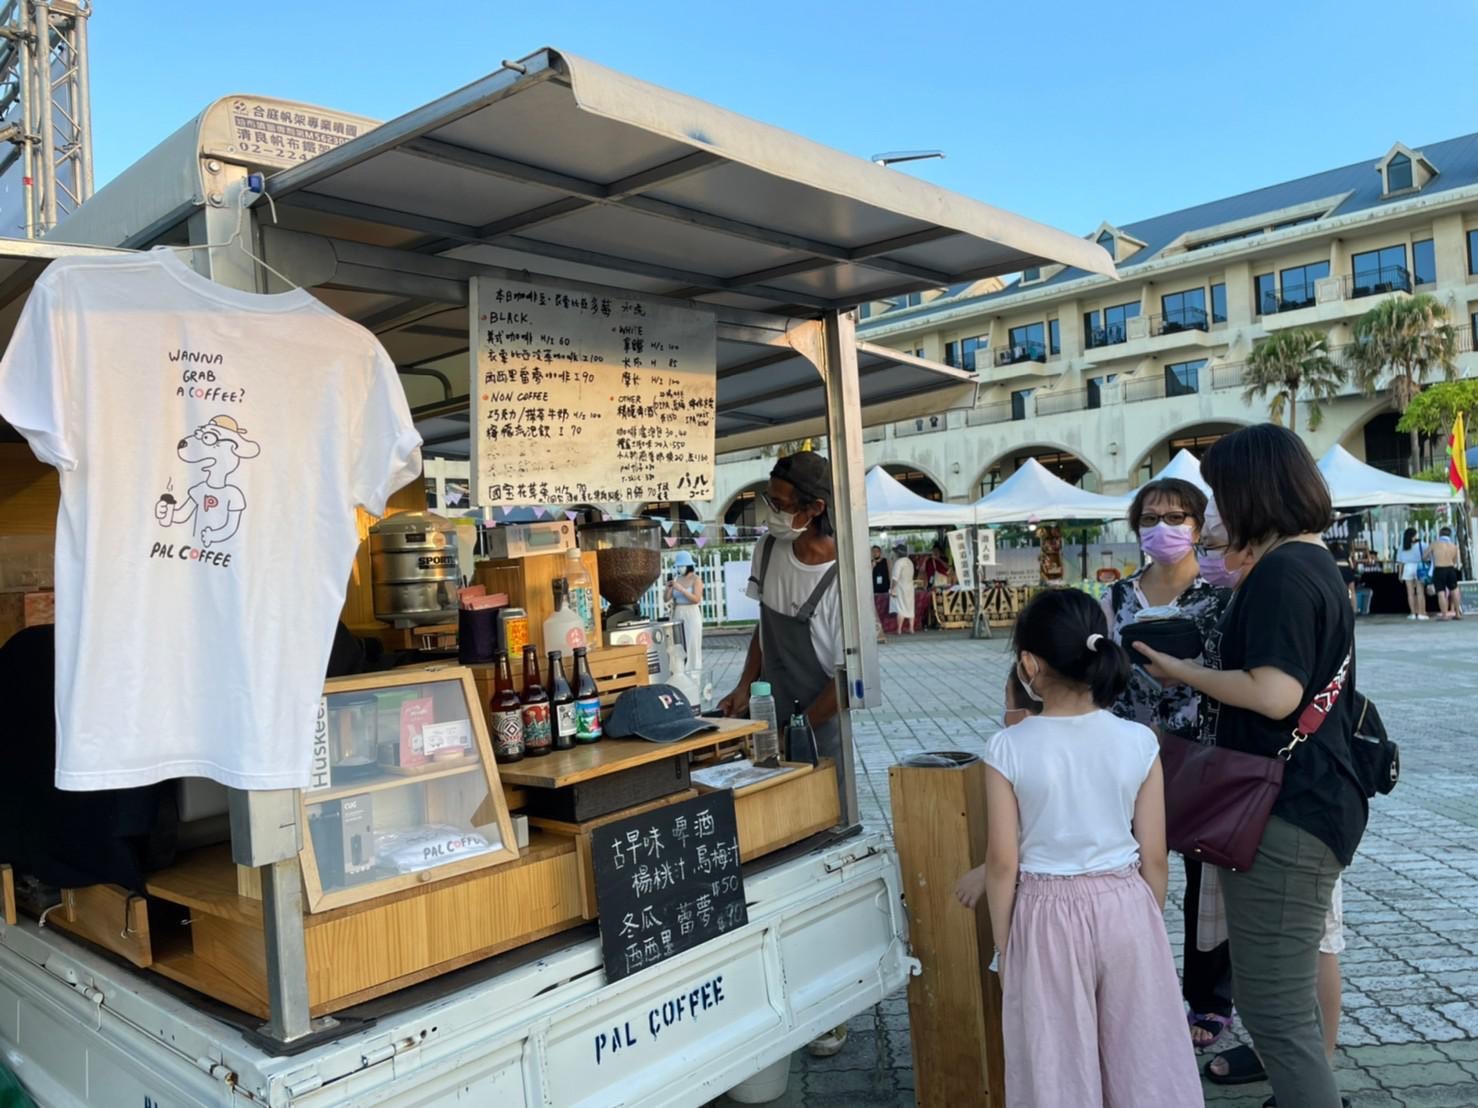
<point>259,968</point>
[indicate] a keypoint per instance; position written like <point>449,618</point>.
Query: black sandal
<point>1243,1067</point>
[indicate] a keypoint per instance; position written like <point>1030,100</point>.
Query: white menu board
<point>584,398</point>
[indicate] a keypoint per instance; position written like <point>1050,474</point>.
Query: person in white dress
<point>901,597</point>
<point>687,608</point>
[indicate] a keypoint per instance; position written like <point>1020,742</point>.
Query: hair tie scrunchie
<point>1093,641</point>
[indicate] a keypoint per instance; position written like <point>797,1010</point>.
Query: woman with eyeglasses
<point>1169,517</point>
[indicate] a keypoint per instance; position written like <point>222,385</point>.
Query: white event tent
<point>1353,484</point>
<point>1033,492</point>
<point>1187,467</point>
<point>890,504</point>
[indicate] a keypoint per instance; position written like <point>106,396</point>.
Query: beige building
<point>1103,381</point>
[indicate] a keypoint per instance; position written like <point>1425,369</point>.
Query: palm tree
<point>1399,344</point>
<point>1290,362</point>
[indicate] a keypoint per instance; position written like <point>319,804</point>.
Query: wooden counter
<point>587,762</point>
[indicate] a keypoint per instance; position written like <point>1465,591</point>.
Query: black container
<point>1180,638</point>
<point>477,636</point>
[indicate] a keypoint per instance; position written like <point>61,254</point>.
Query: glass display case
<point>404,790</point>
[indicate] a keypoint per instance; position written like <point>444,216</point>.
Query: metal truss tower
<point>45,114</point>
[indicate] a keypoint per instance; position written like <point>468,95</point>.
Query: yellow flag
<point>1457,458</point>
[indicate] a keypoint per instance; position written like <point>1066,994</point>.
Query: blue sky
<point>1066,112</point>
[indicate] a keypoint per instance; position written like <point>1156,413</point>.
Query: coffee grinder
<point>628,555</point>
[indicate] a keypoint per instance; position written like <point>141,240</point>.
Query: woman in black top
<point>1286,634</point>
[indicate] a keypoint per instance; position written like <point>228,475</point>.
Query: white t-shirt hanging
<point>212,445</point>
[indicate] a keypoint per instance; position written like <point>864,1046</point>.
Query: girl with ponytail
<point>1075,877</point>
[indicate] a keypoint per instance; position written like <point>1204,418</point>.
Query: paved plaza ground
<point>1409,1035</point>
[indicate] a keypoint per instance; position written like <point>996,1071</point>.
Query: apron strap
<point>767,547</point>
<point>808,609</point>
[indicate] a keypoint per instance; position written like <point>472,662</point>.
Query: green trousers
<point>1275,918</point>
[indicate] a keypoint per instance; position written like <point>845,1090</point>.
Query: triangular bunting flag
<point>670,540</point>
<point>572,516</point>
<point>731,529</point>
<point>701,540</point>
<point>695,527</point>
<point>666,527</point>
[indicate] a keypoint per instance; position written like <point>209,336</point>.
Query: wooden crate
<point>110,916</point>
<point>527,582</point>
<point>784,810</point>
<point>615,669</point>
<point>19,610</point>
<point>365,950</point>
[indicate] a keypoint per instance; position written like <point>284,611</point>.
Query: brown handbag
<point>1218,801</point>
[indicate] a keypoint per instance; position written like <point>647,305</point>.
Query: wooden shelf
<point>570,767</point>
<point>392,781</point>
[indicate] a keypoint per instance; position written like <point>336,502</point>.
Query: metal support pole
<point>287,951</point>
<point>861,686</point>
<point>42,19</point>
<point>83,107</point>
<point>28,122</point>
<point>265,831</point>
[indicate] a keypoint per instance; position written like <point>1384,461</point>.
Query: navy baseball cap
<point>657,713</point>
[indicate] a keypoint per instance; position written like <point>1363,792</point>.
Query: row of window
<point>1372,272</point>
<point>1181,379</point>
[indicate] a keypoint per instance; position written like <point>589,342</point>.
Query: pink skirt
<point>1092,1012</point>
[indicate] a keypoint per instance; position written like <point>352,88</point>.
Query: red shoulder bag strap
<point>1318,709</point>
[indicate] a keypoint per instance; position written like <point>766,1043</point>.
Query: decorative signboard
<point>585,398</point>
<point>960,553</point>
<point>667,881</point>
<point>985,546</point>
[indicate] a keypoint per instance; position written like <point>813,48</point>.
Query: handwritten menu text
<point>583,398</point>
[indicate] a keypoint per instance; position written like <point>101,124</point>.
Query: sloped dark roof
<point>1456,162</point>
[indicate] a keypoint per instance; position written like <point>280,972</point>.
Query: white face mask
<point>782,526</point>
<point>1026,684</point>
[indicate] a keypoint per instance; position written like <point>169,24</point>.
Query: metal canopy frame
<point>558,168</point>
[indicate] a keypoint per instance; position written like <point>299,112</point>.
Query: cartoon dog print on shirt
<point>214,505</point>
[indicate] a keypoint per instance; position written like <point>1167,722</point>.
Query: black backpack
<point>1377,758</point>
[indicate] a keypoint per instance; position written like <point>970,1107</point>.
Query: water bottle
<point>762,710</point>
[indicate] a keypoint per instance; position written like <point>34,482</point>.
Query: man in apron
<point>797,646</point>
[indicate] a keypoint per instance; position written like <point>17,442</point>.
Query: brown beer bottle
<point>587,701</point>
<point>507,715</point>
<point>561,704</point>
<point>538,735</point>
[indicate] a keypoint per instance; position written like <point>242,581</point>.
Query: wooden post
<point>954,1005</point>
<point>7,895</point>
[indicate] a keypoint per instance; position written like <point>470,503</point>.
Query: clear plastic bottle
<point>766,744</point>
<point>580,591</point>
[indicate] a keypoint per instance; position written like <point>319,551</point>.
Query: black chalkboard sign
<point>666,881</point>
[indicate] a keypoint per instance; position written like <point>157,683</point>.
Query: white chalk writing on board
<point>583,398</point>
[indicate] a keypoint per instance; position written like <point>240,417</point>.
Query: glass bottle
<point>562,703</point>
<point>587,701</point>
<point>507,715</point>
<point>538,736</point>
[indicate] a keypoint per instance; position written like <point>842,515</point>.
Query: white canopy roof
<point>1353,484</point>
<point>1187,467</point>
<point>890,504</point>
<point>1033,492</point>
